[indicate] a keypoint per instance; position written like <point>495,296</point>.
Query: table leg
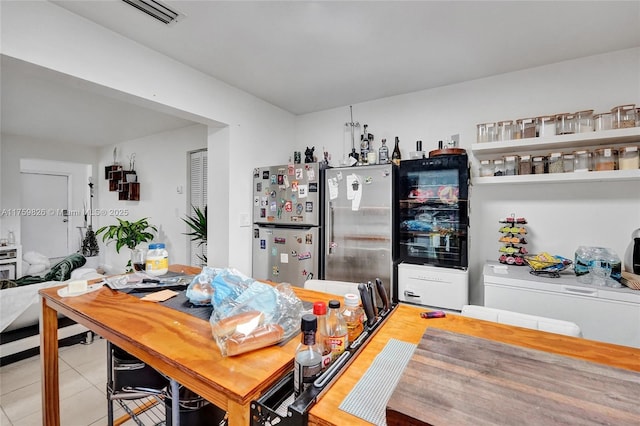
<point>239,414</point>
<point>49,365</point>
<point>175,402</point>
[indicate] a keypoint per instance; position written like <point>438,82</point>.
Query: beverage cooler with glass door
<point>433,231</point>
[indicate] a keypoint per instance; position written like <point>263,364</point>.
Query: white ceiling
<point>309,56</point>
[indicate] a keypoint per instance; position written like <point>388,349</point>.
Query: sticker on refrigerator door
<point>368,180</point>
<point>274,179</point>
<point>294,186</point>
<point>313,187</point>
<point>256,173</point>
<point>332,183</point>
<point>259,187</point>
<point>288,206</point>
<point>305,255</point>
<point>311,174</point>
<point>279,240</point>
<point>263,212</point>
<point>275,271</point>
<point>274,251</point>
<point>273,206</point>
<point>284,257</point>
<point>299,174</point>
<point>299,208</point>
<point>294,253</point>
<point>290,170</point>
<point>302,191</point>
<point>264,201</point>
<point>308,239</point>
<point>308,206</point>
<point>281,180</point>
<point>256,233</point>
<point>263,244</point>
<point>256,201</point>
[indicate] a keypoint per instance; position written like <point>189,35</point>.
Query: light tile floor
<point>83,379</point>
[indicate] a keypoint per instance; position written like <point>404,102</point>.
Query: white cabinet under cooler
<point>432,286</point>
<point>606,314</point>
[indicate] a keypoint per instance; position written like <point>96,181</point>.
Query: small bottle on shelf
<point>396,156</point>
<point>320,311</point>
<point>383,153</point>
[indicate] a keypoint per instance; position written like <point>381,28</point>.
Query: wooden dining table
<point>181,346</point>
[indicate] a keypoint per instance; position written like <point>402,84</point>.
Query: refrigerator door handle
<point>329,224</point>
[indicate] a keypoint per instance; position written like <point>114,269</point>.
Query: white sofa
<point>535,322</point>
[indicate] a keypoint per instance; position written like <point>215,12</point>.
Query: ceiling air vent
<point>155,9</point>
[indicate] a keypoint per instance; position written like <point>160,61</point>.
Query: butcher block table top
<point>459,379</point>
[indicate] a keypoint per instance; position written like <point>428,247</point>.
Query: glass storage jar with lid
<point>584,121</point>
<point>565,124</point>
<point>525,128</point>
<point>582,161</point>
<point>568,163</point>
<point>546,126</point>
<point>505,130</point>
<point>628,158</point>
<point>487,132</point>
<point>555,164</point>
<point>511,165</point>
<point>605,159</point>
<point>602,121</point>
<point>623,116</point>
<point>524,166</point>
<point>538,165</point>
<point>486,168</point>
<point>498,167</point>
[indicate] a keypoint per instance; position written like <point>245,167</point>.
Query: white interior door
<point>44,224</point>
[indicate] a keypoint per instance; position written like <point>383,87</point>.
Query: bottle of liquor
<point>308,360</point>
<point>396,156</point>
<point>337,329</point>
<point>320,311</point>
<point>383,153</point>
<point>364,146</point>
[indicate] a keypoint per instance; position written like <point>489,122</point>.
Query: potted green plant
<point>198,225</point>
<point>128,234</point>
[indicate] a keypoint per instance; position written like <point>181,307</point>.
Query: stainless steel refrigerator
<point>287,215</point>
<point>360,211</point>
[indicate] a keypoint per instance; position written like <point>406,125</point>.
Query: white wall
<point>561,216</point>
<point>44,156</point>
<point>257,133</point>
<point>161,166</point>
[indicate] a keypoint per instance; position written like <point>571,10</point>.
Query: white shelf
<point>614,175</point>
<point>576,140</point>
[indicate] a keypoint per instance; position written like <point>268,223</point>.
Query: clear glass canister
<point>524,166</point>
<point>498,167</point>
<point>546,126</point>
<point>628,158</point>
<point>623,116</point>
<point>584,121</point>
<point>555,164</point>
<point>486,168</point>
<point>582,161</point>
<point>568,163</point>
<point>511,165</point>
<point>505,130</point>
<point>526,128</point>
<point>602,121</point>
<point>157,262</point>
<point>565,124</point>
<point>605,159</point>
<point>487,132</point>
<point>538,165</point>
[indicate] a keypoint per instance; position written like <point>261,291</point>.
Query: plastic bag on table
<point>261,316</point>
<point>212,285</point>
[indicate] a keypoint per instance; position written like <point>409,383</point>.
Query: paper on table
<point>160,296</point>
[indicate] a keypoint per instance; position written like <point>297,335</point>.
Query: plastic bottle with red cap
<point>320,311</point>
